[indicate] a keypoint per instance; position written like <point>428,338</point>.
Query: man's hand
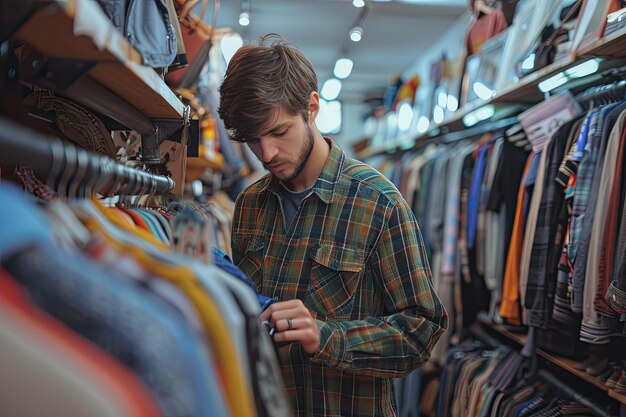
<point>293,322</point>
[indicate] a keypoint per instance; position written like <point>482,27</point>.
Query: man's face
<point>285,146</point>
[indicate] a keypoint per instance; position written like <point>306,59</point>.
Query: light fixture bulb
<point>358,3</point>
<point>331,89</point>
<point>356,33</point>
<point>244,19</point>
<point>343,68</point>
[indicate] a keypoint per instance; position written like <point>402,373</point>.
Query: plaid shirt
<point>354,255</point>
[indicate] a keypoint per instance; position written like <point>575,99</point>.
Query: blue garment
<point>529,183</point>
<point>20,223</point>
<point>223,262</point>
<point>474,195</point>
<point>135,326</point>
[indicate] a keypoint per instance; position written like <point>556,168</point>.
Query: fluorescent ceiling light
<point>328,119</point>
<point>482,91</point>
<point>331,89</point>
<point>584,69</point>
<point>244,19</point>
<point>422,124</point>
<point>229,44</point>
<point>343,68</point>
<point>438,114</point>
<point>358,3</point>
<point>478,115</point>
<point>453,103</point>
<point>356,33</point>
<point>581,70</point>
<point>441,100</point>
<point>405,116</point>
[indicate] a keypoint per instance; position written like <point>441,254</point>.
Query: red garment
<point>485,27</point>
<point>139,221</point>
<point>72,355</point>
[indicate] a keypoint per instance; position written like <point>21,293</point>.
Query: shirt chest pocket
<point>335,275</point>
<point>252,262</point>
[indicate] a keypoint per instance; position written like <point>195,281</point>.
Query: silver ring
<point>289,324</point>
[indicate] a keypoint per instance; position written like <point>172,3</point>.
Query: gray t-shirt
<point>292,201</point>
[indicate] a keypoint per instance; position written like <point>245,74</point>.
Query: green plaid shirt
<point>354,255</point>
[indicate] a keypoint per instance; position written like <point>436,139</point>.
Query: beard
<point>303,158</point>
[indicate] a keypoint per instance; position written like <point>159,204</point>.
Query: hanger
<point>481,7</point>
<point>82,160</point>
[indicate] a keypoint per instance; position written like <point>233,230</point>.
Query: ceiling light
<point>405,116</point>
<point>422,124</point>
<point>331,89</point>
<point>482,91</point>
<point>328,119</point>
<point>343,68</point>
<point>358,3</point>
<point>478,115</point>
<point>229,43</point>
<point>453,103</point>
<point>581,70</point>
<point>442,99</point>
<point>438,114</point>
<point>356,33</point>
<point>244,19</point>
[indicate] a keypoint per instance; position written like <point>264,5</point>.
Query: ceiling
<point>395,33</point>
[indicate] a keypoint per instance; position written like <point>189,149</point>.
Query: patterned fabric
<point>541,277</point>
<point>33,185</point>
<point>585,198</point>
<point>354,255</point>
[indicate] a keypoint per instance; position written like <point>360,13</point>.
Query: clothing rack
<point>478,130</point>
<point>489,340</point>
<point>555,382</point>
<point>612,92</point>
<point>49,156</point>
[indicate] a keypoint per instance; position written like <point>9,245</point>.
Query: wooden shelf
<point>611,46</point>
<point>78,30</point>
<point>565,363</point>
<point>523,91</point>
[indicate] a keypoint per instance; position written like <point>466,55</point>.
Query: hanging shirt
<point>353,254</point>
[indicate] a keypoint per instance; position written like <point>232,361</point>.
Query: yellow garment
<point>238,397</point>
<point>113,217</point>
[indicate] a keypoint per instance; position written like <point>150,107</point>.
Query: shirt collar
<point>324,187</point>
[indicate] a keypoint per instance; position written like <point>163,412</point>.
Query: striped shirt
<point>355,257</point>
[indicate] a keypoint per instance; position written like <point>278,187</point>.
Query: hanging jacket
<point>147,26</point>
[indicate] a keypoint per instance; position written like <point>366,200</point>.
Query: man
<point>331,239</point>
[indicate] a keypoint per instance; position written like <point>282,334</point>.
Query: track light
<point>356,33</point>
<point>244,18</point>
<point>343,68</point>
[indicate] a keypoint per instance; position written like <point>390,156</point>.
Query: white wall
<point>352,125</point>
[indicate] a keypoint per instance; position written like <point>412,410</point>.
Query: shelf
<point>610,46</point>
<point>564,363</point>
<point>77,30</point>
<point>524,91</point>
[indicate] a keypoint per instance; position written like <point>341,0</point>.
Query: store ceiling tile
<point>395,34</point>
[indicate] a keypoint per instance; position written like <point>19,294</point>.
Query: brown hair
<point>260,80</point>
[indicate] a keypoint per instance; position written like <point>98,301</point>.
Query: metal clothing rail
<point>48,156</point>
<point>604,93</point>
<point>477,332</point>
